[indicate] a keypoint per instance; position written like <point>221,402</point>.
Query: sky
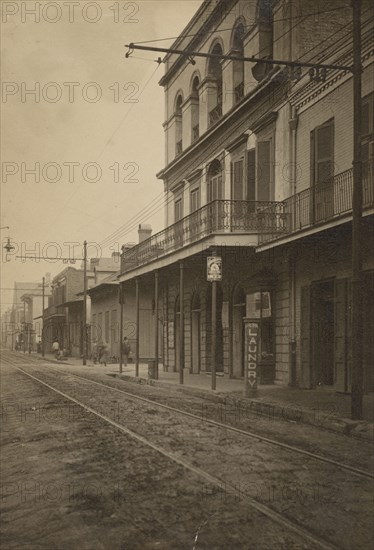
<point>82,136</point>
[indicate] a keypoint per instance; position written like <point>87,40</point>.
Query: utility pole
<point>43,286</point>
<point>181,323</point>
<point>156,325</point>
<point>24,327</point>
<point>121,298</point>
<point>214,333</point>
<point>357,324</point>
<point>137,302</point>
<point>85,303</point>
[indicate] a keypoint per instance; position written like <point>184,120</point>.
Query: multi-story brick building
<point>63,318</point>
<point>259,170</point>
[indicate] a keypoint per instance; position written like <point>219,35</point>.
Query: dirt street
<point>72,480</point>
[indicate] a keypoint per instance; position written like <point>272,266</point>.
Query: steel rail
<point>261,508</point>
<point>245,433</point>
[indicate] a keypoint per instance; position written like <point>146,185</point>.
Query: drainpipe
<point>292,252</point>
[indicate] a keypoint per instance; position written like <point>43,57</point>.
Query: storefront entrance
<point>322,333</point>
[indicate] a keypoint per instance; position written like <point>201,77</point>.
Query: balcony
<point>215,114</point>
<point>53,311</point>
<point>195,133</point>
<point>323,203</point>
<point>219,216</point>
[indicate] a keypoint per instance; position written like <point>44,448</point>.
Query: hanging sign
<point>214,268</point>
<point>251,345</point>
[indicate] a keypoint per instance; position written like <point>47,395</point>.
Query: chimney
<point>144,232</point>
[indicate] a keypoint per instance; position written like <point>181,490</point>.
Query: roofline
<point>219,8</point>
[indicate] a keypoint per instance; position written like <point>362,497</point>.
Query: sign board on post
<point>214,268</point>
<point>251,347</point>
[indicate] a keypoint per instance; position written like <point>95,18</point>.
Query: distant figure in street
<point>126,349</point>
<point>95,352</point>
<point>56,348</point>
<point>103,354</point>
<point>39,344</point>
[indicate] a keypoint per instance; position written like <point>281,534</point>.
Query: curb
<point>295,413</point>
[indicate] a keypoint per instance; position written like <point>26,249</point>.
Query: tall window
<point>265,170</point>
<point>237,186</point>
<point>322,171</point>
<point>322,152</point>
<point>178,125</point>
<point>194,200</point>
<point>215,96</point>
<point>215,183</point>
<point>251,175</point>
<point>238,66</point>
<point>195,109</point>
<point>178,210</point>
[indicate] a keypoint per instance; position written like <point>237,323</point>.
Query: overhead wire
<point>155,210</point>
<point>278,38</point>
<point>252,21</point>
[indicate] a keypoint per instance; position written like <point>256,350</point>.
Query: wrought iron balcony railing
<point>53,310</point>
<point>219,216</point>
<point>324,202</point>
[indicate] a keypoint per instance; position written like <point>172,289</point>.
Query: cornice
<point>207,23</point>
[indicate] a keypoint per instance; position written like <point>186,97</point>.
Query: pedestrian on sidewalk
<point>56,348</point>
<point>126,350</point>
<point>103,353</point>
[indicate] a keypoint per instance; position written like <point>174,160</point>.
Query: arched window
<point>178,125</point>
<point>238,66</point>
<point>215,183</point>
<point>215,73</point>
<point>265,37</point>
<point>195,109</point>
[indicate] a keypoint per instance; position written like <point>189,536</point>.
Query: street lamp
<point>8,247</point>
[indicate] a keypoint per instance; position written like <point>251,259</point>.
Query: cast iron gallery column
<point>156,325</point>
<point>181,323</point>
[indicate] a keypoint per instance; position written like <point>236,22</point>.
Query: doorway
<point>239,310</point>
<point>219,330</point>
<point>323,330</point>
<point>195,334</point>
<point>177,318</point>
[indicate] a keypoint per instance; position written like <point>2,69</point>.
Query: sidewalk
<point>321,407</point>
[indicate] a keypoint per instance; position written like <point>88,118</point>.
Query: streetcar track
<point>356,471</point>
<point>259,507</point>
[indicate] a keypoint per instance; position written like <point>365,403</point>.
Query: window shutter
<point>251,175</point>
<point>237,180</point>
<point>312,158</point>
<point>263,171</point>
<point>324,152</point>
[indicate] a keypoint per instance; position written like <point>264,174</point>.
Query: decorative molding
<point>264,121</point>
<point>237,143</point>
